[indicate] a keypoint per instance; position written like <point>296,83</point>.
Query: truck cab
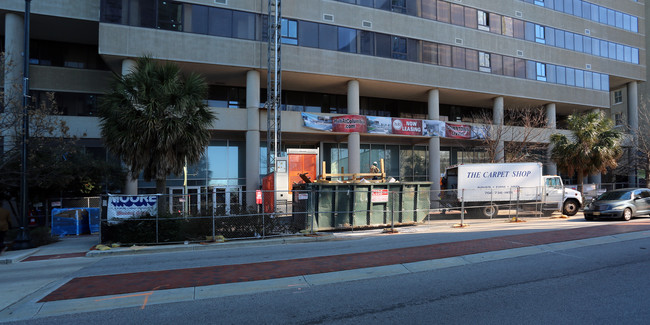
<point>555,198</point>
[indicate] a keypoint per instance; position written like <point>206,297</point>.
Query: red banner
<point>459,131</point>
<point>407,126</point>
<point>349,123</point>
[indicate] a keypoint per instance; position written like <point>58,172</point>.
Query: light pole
<point>22,241</point>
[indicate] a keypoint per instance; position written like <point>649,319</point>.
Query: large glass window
<point>458,57</point>
<point>367,42</point>
<point>220,21</point>
<point>327,37</point>
<point>457,15</point>
<point>444,11</point>
<point>429,53</point>
<point>483,20</point>
<point>307,34</point>
<point>539,34</point>
<point>399,47</point>
<point>484,61</point>
<point>243,25</point>
<point>429,9</point>
<point>170,15</point>
<point>471,17</point>
<point>541,71</point>
<point>347,40</point>
<point>289,31</point>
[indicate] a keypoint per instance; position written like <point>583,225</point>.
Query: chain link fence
<point>309,208</point>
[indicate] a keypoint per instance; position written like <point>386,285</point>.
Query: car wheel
<point>571,207</point>
<point>627,214</point>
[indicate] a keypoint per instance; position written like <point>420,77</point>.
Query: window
<point>541,71</point>
<point>484,62</point>
<point>399,48</point>
<point>429,9</point>
<point>507,28</point>
<point>347,40</point>
<point>398,6</point>
<point>458,57</point>
<point>429,53</point>
<point>483,20</point>
<point>471,20</point>
<point>539,2</point>
<point>539,34</point>
<point>289,31</point>
<point>618,117</point>
<point>618,97</point>
<point>471,60</point>
<point>457,15</point>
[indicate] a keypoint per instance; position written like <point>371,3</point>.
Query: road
<point>596,284</point>
<point>599,283</point>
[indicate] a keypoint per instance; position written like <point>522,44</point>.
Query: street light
<point>23,241</point>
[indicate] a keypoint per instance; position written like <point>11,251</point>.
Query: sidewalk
<point>67,247</point>
<point>484,240</point>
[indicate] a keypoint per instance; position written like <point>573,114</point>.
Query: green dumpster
<point>355,205</point>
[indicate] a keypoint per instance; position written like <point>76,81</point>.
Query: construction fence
<point>207,216</point>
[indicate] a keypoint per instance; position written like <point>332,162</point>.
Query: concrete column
<point>633,122</point>
<point>551,167</point>
<point>252,135</point>
<point>131,186</point>
<point>434,104</point>
<point>497,119</point>
<point>354,139</point>
<point>434,148</point>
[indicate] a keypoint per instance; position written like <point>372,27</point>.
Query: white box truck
<point>485,187</point>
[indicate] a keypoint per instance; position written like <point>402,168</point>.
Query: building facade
<point>399,65</point>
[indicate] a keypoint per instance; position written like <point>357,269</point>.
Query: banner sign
<point>392,125</point>
<point>127,206</point>
<point>458,131</point>
<point>318,122</point>
<point>380,125</point>
<point>407,126</point>
<point>432,128</point>
<point>350,123</point>
<point>480,131</point>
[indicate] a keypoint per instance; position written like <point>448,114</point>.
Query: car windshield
<point>616,195</point>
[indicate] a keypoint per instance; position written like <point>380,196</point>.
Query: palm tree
<point>594,147</point>
<point>156,120</point>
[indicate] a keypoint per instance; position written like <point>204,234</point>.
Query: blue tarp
<point>75,221</point>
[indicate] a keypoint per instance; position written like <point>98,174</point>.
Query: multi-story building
<point>419,63</point>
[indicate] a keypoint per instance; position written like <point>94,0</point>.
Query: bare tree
<point>56,162</point>
<point>522,134</point>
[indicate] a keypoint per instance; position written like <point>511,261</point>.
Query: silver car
<point>623,203</point>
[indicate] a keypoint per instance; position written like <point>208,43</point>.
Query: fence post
<point>517,206</point>
<point>263,223</point>
<point>462,208</point>
<point>392,215</point>
<point>156,228</point>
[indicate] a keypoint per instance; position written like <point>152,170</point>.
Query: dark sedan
<point>623,203</point>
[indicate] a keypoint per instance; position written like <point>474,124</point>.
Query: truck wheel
<point>489,211</point>
<point>571,207</point>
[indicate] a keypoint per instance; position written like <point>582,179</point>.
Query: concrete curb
<point>198,247</point>
<point>17,256</point>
